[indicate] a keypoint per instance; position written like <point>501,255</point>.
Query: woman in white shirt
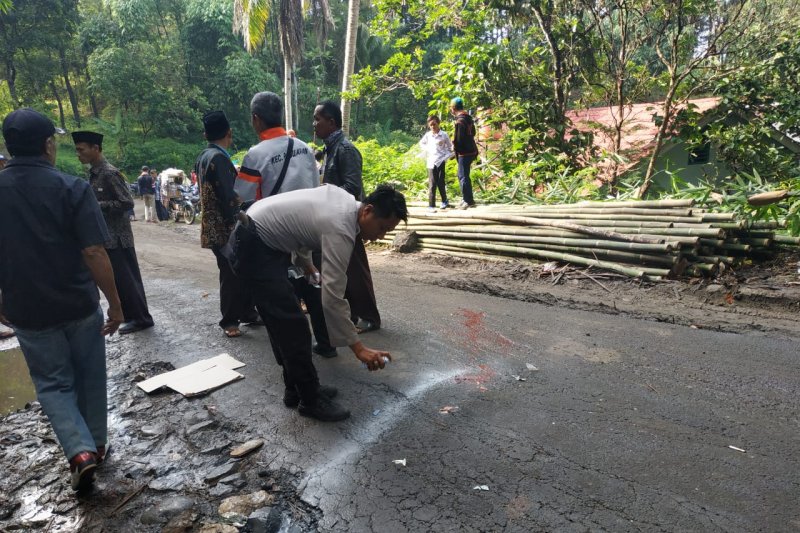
<point>439,149</point>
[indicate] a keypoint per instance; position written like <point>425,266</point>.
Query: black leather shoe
<point>291,398</point>
<point>324,352</point>
<point>324,410</point>
<point>133,327</point>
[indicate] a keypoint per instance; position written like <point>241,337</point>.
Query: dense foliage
<point>144,71</point>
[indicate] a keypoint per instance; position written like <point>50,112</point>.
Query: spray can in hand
<point>385,361</point>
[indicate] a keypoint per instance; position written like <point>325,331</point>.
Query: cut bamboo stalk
<point>758,242</point>
<point>565,225</point>
<point>717,217</point>
<point>734,246</point>
<point>556,256</point>
<point>767,224</point>
<point>786,239</point>
<point>617,203</point>
<point>614,255</point>
<point>738,225</point>
<point>587,243</point>
<point>595,211</point>
<point>711,242</point>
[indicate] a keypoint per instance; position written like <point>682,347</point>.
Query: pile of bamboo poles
<point>646,239</point>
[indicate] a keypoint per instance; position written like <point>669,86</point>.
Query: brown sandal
<point>233,332</point>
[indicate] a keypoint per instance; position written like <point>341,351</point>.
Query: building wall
<point>675,158</point>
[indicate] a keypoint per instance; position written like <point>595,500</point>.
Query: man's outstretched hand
<point>372,358</point>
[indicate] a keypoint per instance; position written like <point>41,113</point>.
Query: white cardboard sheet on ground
<point>198,377</point>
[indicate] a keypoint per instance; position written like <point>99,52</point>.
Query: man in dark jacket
<point>114,196</point>
<point>465,148</point>
<point>147,188</point>
<point>53,260</point>
<point>343,169</point>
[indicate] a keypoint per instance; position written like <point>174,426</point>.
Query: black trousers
<point>312,296</point>
<point>264,271</point>
<point>436,181</point>
<point>235,302</point>
<point>359,291</point>
<point>129,285</point>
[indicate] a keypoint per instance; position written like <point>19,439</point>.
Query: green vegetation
<point>144,71</point>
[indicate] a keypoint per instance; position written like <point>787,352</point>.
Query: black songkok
<point>215,125</point>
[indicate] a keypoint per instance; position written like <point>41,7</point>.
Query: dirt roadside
<point>761,297</point>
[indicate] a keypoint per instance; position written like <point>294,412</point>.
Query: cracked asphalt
<point>626,425</point>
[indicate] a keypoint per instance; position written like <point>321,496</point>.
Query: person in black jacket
<point>343,169</point>
<point>465,148</point>
<point>148,191</point>
<point>216,176</point>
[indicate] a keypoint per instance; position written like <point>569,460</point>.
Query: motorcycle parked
<point>182,207</point>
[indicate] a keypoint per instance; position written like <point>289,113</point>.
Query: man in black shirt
<point>51,241</point>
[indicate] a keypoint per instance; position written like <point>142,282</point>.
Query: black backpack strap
<point>282,175</point>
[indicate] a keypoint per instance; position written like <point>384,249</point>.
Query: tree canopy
<point>144,72</point>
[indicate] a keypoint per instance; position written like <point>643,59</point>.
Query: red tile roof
<point>638,131</point>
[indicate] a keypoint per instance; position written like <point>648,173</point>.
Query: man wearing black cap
<point>115,200</point>
<point>53,260</point>
<point>216,175</point>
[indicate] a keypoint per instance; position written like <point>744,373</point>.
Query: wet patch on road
<point>16,387</point>
<point>169,469</point>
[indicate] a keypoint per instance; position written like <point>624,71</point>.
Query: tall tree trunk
<point>295,92</point>
<point>662,131</point>
<point>11,77</point>
<point>92,100</point>
<point>60,104</point>
<point>353,7</point>
<point>73,101</point>
<point>287,92</point>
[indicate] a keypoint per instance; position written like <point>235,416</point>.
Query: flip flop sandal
<point>233,332</point>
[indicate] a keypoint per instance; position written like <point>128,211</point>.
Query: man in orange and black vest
<point>465,148</point>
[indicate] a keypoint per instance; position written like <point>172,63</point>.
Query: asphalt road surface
<point>624,425</point>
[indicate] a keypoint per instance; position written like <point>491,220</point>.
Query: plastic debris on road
<point>480,487</point>
<point>376,412</point>
<point>550,266</point>
<point>531,367</point>
<point>448,409</point>
<point>519,378</point>
<point>401,462</point>
<point>735,448</point>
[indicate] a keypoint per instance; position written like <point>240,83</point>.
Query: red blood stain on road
<point>478,333</point>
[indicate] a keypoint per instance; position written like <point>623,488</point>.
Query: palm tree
<point>250,19</point>
<point>349,59</point>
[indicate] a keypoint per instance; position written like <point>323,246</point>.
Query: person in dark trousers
<point>282,230</point>
<point>343,169</point>
<point>216,175</point>
<point>147,188</point>
<point>261,170</point>
<point>53,261</point>
<point>115,200</point>
<point>465,148</point>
